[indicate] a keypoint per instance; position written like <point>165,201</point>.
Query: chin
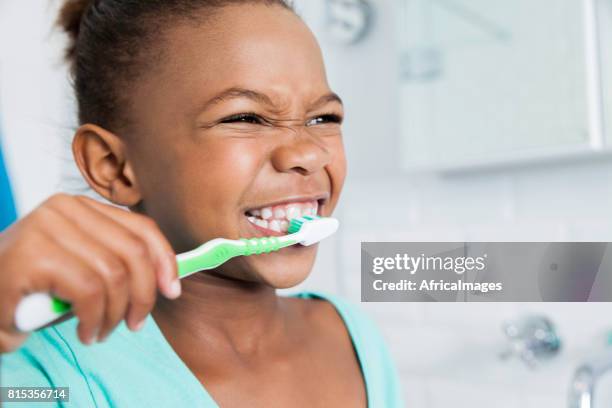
<point>284,269</point>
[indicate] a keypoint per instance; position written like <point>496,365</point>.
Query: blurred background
<point>467,120</point>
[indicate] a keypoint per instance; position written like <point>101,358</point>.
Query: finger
<point>69,278</point>
<point>11,341</point>
<point>147,229</point>
<point>133,251</point>
<point>107,264</point>
<point>10,298</point>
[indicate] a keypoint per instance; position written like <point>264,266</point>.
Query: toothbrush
<point>39,309</point>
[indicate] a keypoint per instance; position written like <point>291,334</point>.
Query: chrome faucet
<point>583,385</point>
<point>533,339</point>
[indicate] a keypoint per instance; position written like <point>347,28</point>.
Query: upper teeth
<point>277,217</point>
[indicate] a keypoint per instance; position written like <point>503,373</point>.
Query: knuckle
<point>147,222</point>
<point>138,247</point>
<point>109,265</point>
<point>57,199</point>
<point>90,290</point>
<point>39,217</point>
<point>26,246</point>
<point>117,278</point>
<point>84,200</point>
<point>150,226</point>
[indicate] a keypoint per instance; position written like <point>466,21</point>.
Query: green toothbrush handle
<point>39,309</point>
<point>208,256</point>
<point>256,246</point>
<point>218,251</point>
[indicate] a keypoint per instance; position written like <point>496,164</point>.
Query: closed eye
<point>255,119</point>
<point>245,118</point>
<point>323,119</point>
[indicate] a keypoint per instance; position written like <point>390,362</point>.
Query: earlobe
<point>102,160</point>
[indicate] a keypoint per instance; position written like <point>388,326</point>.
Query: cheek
<point>193,190</point>
<point>216,179</point>
<point>227,168</point>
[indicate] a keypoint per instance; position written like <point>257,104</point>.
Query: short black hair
<point>110,38</point>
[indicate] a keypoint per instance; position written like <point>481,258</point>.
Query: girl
<point>206,118</point>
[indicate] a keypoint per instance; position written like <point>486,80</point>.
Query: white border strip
<point>593,72</point>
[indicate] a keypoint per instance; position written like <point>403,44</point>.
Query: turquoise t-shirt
<point>140,369</point>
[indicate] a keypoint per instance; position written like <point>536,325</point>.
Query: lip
<point>321,198</point>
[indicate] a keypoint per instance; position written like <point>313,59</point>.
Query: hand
<point>106,261</point>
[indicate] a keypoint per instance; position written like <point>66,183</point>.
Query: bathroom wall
<point>447,354</point>
<point>35,107</point>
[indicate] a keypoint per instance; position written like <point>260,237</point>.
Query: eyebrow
<point>330,97</point>
<point>236,92</point>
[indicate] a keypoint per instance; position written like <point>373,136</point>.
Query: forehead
<point>260,47</point>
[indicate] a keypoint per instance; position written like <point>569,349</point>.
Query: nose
<point>304,155</point>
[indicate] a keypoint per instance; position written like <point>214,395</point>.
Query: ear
<point>101,158</point>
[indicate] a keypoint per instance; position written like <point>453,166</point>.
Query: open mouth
<point>278,217</point>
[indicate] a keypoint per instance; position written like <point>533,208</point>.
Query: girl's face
<point>234,131</point>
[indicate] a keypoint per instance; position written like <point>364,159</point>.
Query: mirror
<point>485,82</point>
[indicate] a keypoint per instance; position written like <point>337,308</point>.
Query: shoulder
<point>329,307</point>
<point>370,346</point>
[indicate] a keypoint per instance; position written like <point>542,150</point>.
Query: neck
<point>221,313</point>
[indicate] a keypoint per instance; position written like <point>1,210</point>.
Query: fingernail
<point>139,325</point>
<point>175,289</point>
<point>92,338</point>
